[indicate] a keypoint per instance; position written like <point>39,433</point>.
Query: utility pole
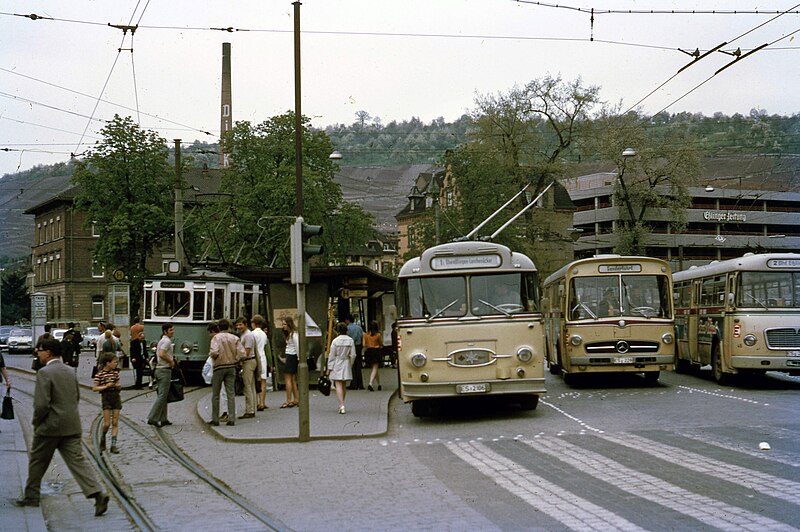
<point>179,254</point>
<point>302,366</point>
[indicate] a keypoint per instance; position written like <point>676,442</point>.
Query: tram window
<point>647,295</point>
<point>172,304</point>
<point>769,289</point>
<point>248,304</point>
<point>209,306</point>
<point>219,304</point>
<point>503,293</point>
<point>148,304</point>
<point>198,311</point>
<point>434,296</point>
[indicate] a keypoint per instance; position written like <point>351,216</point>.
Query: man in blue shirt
<point>355,332</point>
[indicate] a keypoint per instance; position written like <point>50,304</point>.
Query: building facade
<point>743,205</point>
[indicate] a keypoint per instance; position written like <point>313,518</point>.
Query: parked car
<point>20,341</point>
<point>58,334</point>
<point>5,331</point>
<point>90,336</point>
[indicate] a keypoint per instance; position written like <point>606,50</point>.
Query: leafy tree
<point>261,183</point>
<point>16,302</point>
<point>667,162</point>
<point>125,189</point>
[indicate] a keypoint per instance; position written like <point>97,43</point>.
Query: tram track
<point>158,463</point>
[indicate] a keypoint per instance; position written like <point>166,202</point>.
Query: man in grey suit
<point>57,425</point>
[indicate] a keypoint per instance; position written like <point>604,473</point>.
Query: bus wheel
<point>651,377</point>
<point>716,368</point>
<point>570,378</point>
<point>528,402</point>
<point>420,408</point>
<point>683,366</point>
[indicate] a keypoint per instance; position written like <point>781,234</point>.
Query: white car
<point>90,336</point>
<point>20,340</point>
<point>58,334</point>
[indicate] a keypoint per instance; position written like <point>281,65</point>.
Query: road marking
<point>570,416</point>
<point>704,509</point>
<point>772,456</point>
<point>770,485</point>
<point>546,497</point>
<point>724,396</point>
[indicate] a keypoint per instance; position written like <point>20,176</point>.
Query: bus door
<point>692,320</point>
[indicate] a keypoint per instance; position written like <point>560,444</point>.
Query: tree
<point>16,302</point>
<point>251,226</point>
<point>125,188</point>
<point>667,162</point>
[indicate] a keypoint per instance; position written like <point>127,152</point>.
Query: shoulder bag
<point>176,384</point>
<point>8,406</point>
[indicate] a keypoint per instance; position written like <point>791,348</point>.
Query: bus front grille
<point>783,338</point>
<point>622,346</point>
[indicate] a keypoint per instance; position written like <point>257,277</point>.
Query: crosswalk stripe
<point>704,509</point>
<point>560,504</point>
<point>722,443</point>
<point>770,485</point>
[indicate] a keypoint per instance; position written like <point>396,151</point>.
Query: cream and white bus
<point>610,313</point>
<point>469,323</point>
<point>740,316</point>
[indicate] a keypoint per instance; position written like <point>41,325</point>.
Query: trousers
<point>69,447</point>
<point>228,377</point>
<point>249,377</point>
<point>158,414</point>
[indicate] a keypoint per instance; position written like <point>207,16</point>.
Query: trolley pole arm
<point>506,204</point>
<point>528,206</point>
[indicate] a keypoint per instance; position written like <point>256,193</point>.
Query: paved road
<point>609,454</point>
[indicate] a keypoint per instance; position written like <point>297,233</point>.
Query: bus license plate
<point>623,360</point>
<point>473,388</point>
<point>794,353</point>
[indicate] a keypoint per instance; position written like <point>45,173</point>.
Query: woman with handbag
<point>290,366</point>
<point>340,363</point>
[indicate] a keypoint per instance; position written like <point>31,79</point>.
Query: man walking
<point>250,365</point>
<point>355,332</point>
<point>57,425</point>
<point>164,365</point>
<point>226,352</point>
<point>139,357</point>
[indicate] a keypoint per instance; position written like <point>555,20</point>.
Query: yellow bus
<point>469,323</point>
<point>741,316</point>
<point>610,313</point>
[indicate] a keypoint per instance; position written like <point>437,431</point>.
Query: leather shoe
<point>166,422</point>
<point>230,423</point>
<point>26,502</point>
<point>154,423</point>
<point>246,416</point>
<point>214,423</point>
<point>100,504</point>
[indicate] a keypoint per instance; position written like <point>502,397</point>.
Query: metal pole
<point>179,255</point>
<point>1,295</point>
<point>302,366</point>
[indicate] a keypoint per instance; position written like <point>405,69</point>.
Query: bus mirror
<point>675,296</point>
<point>730,298</point>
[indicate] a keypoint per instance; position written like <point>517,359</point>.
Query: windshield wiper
<point>453,302</point>
<point>754,298</point>
<point>498,309</point>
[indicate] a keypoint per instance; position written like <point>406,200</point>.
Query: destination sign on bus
<point>173,284</point>
<point>460,262</point>
<point>619,268</point>
<point>783,263</point>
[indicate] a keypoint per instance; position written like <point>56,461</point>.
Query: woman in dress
<point>340,363</point>
<point>290,366</point>
<point>373,342</point>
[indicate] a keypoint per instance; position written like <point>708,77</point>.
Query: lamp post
<point>433,191</point>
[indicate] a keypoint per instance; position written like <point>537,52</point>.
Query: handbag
<point>324,385</point>
<point>176,383</point>
<point>8,406</point>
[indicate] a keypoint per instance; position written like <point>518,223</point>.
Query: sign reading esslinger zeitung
<point>725,216</point>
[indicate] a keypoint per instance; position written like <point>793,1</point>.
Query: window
<point>98,270</point>
<point>430,297</point>
<point>712,292</point>
<point>46,234</point>
<point>39,233</point>
<point>58,266</point>
<point>768,289</point>
<point>505,294</point>
<point>172,304</point>
<point>98,308</point>
<point>58,227</point>
<point>95,231</point>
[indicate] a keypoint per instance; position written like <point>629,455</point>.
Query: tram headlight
<point>186,348</point>
<point>418,360</point>
<point>750,340</point>
<point>524,355</point>
<point>576,339</point>
<point>667,338</point>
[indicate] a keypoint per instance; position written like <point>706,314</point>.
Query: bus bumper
<point>411,391</point>
<point>781,363</point>
<point>640,362</point>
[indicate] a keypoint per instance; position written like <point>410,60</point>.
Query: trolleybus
<point>469,323</point>
<point>190,302</point>
<point>610,313</point>
<point>740,316</point>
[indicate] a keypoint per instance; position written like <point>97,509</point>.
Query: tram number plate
<point>794,353</point>
<point>623,360</point>
<point>472,388</point>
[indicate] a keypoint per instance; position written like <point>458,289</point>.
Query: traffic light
<point>302,251</point>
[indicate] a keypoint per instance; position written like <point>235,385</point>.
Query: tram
<point>190,302</point>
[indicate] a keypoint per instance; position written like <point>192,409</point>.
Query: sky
<point>395,59</point>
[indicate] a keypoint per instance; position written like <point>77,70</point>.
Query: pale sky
<point>395,59</point>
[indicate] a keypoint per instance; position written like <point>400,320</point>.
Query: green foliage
<point>125,189</point>
<point>262,183</point>
<point>16,302</point>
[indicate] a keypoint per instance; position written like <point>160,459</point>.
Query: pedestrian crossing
<point>655,479</point>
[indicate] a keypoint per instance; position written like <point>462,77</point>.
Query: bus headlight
<point>667,338</point>
<point>418,360</point>
<point>575,339</point>
<point>186,348</point>
<point>524,355</point>
<point>750,340</point>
